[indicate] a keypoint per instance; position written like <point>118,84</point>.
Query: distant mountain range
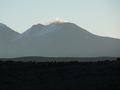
<point>58,39</point>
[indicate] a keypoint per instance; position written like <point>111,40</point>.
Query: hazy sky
<point>101,17</point>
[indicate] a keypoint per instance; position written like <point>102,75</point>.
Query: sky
<point>100,17</point>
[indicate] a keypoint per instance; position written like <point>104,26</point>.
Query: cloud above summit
<point>57,20</point>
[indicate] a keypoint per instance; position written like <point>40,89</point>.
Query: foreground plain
<point>72,75</point>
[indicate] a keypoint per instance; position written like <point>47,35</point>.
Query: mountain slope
<point>6,33</point>
<point>34,29</point>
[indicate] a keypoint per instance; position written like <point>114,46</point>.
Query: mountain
<point>61,39</point>
<point>6,33</point>
<point>64,40</point>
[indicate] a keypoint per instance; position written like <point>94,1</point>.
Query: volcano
<point>62,39</point>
